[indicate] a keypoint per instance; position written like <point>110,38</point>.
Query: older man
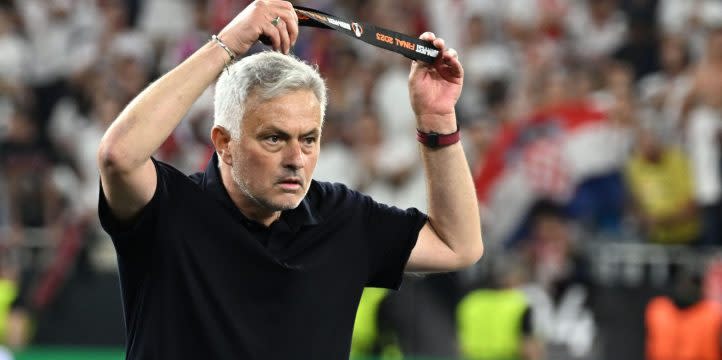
<point>252,259</point>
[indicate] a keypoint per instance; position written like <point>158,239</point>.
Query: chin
<point>285,204</point>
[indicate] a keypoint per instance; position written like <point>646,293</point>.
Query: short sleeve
<point>391,234</point>
<point>141,229</point>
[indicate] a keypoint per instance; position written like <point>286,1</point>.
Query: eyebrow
<point>314,132</point>
<point>274,129</point>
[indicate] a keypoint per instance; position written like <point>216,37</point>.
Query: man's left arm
<point>451,239</point>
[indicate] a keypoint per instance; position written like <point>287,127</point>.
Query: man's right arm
<point>127,174</point>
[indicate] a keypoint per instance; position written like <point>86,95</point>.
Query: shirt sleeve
<point>391,234</point>
<point>140,230</point>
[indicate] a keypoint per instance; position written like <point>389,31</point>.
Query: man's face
<point>274,159</point>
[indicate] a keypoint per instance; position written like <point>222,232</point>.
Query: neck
<point>247,205</point>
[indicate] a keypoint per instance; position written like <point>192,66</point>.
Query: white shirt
<point>591,41</point>
<point>702,139</point>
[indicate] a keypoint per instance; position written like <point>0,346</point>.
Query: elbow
<point>479,252</point>
<point>118,151</point>
<point>476,253</point>
<point>106,158</point>
<point>110,159</point>
<point>473,254</point>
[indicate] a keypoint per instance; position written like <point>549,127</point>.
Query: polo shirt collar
<point>304,214</point>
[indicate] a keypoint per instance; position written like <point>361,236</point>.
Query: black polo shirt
<point>201,281</point>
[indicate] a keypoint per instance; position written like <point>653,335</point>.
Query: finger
<point>452,63</point>
<point>450,54</point>
<point>428,36</point>
<point>271,32</point>
<point>414,65</point>
<point>288,15</point>
<point>440,44</point>
<point>285,40</point>
<point>293,29</point>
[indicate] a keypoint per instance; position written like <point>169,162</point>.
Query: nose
<point>293,156</point>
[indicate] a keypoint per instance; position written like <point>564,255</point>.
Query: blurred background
<point>593,130</point>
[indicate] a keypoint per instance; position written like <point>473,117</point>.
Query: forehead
<point>296,110</point>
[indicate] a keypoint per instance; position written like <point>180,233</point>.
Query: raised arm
<point>451,239</point>
<point>126,171</point>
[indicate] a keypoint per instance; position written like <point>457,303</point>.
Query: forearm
<point>453,209</point>
<point>151,117</point>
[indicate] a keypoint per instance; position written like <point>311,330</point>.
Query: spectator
<point>33,201</point>
<point>596,29</point>
<point>703,137</point>
<point>560,279</point>
<point>683,325</point>
<point>13,68</point>
<point>488,61</point>
<point>497,323</point>
<point>662,93</point>
<point>354,163</point>
<point>640,48</point>
<point>368,339</point>
<point>162,20</point>
<point>58,34</point>
<point>688,19</point>
<point>661,189</point>
<point>181,46</point>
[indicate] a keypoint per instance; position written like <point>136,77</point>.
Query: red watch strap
<point>436,140</point>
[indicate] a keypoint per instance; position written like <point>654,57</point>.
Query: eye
<point>309,140</point>
<point>273,139</point>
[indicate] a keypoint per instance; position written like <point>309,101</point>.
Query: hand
<point>254,22</point>
<point>435,88</point>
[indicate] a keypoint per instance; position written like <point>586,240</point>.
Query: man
<point>704,136</point>
<point>252,259</point>
<point>660,188</point>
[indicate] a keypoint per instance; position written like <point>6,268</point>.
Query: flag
<point>545,156</point>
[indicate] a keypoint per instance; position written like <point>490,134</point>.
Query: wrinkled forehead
<point>256,97</point>
<point>293,110</point>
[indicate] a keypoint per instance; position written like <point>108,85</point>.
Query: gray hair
<point>267,74</point>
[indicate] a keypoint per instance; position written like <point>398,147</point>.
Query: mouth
<point>290,184</point>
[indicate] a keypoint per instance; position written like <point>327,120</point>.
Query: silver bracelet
<point>225,47</point>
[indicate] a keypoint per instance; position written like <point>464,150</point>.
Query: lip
<point>290,184</point>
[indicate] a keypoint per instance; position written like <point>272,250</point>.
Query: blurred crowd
<point>582,120</point>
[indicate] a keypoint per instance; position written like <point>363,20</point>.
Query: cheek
<point>311,165</point>
<point>257,164</point>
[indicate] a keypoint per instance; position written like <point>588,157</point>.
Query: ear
<point>222,141</point>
